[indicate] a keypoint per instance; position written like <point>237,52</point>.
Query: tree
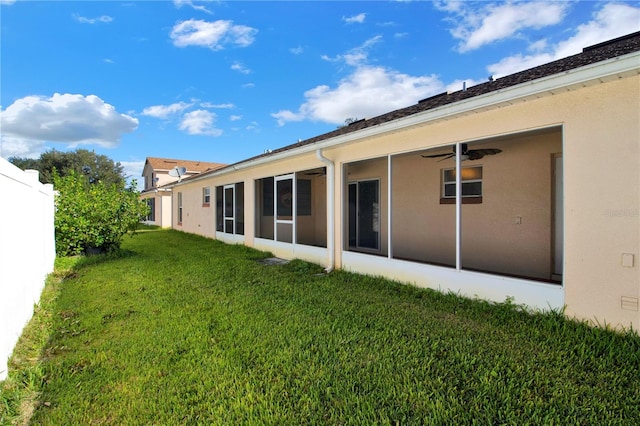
<point>92,167</point>
<point>93,215</point>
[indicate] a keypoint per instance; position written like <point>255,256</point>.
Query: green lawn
<point>178,329</point>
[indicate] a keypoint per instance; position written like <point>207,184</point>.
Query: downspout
<point>330,210</point>
<point>458,148</point>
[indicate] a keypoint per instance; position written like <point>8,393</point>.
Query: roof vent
<point>357,121</point>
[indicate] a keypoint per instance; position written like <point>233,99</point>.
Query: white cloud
<point>453,6</point>
<point>180,3</point>
<point>133,170</point>
<point>477,27</point>
<point>217,106</point>
<point>164,111</point>
<point>30,122</point>
<point>366,93</point>
<point>235,118</point>
<point>237,66</point>
<point>285,116</point>
<point>20,147</point>
<point>358,55</point>
<point>248,86</point>
<point>611,21</point>
<point>7,2</point>
<point>539,46</point>
<point>214,35</point>
<point>357,19</point>
<point>297,50</point>
<point>519,62</point>
<point>200,122</point>
<point>83,20</point>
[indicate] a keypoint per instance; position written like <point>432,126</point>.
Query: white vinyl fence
<point>27,250</point>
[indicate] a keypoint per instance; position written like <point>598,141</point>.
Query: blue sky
<point>223,81</point>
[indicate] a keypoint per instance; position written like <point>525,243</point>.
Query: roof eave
<point>598,72</point>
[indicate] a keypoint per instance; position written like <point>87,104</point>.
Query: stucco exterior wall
<point>162,207</point>
<point>509,231</point>
<point>601,138</point>
<point>196,218</point>
<point>602,199</point>
<point>594,125</point>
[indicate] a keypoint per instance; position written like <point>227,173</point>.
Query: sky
<point>222,81</point>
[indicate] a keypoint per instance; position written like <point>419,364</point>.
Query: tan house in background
<point>526,187</point>
<point>158,172</point>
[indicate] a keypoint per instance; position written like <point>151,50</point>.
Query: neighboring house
<point>157,172</point>
<point>544,210</point>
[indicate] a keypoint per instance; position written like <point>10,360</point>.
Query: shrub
<point>94,216</point>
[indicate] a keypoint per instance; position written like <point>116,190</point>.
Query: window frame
<point>179,208</point>
<point>465,199</point>
<point>206,196</point>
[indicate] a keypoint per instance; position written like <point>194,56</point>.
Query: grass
<point>178,329</point>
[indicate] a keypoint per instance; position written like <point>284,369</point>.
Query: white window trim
<point>206,196</point>
<point>454,182</point>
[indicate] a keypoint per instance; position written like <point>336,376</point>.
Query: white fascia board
<point>598,72</point>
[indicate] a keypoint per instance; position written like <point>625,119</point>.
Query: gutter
<point>330,209</point>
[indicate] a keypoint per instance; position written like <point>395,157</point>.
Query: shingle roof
<point>600,52</point>
<point>192,166</point>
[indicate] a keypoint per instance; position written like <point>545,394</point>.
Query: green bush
<point>94,216</point>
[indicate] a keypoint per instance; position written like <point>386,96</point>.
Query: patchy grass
<point>178,329</point>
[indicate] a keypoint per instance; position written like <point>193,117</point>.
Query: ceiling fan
<point>467,154</point>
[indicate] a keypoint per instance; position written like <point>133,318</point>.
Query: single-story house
<point>525,187</point>
<point>158,172</point>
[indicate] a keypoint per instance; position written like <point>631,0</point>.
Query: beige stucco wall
<point>196,217</point>
<point>162,207</point>
<point>201,220</point>
<point>602,181</point>
<point>600,137</point>
<point>509,232</point>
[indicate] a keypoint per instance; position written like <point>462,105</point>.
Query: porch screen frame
<point>357,245</point>
<point>229,209</point>
<point>276,216</point>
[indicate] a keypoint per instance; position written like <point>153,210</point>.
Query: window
<point>206,196</point>
<point>471,185</point>
<point>151,203</point>
<point>179,208</point>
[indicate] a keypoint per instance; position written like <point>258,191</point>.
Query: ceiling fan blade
<point>476,154</point>
<point>437,155</point>
<point>447,157</point>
